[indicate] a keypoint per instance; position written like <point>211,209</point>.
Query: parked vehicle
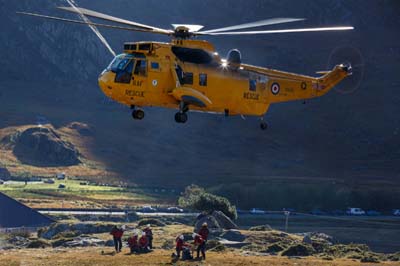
<point>174,210</point>
<point>396,212</point>
<point>355,211</point>
<point>148,209</point>
<point>257,211</point>
<point>373,213</point>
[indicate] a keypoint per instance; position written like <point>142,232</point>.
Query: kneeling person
<point>143,243</point>
<point>133,243</point>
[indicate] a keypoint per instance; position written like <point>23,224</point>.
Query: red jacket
<point>180,244</point>
<point>143,241</point>
<point>204,232</point>
<point>133,241</point>
<point>198,240</point>
<point>117,232</point>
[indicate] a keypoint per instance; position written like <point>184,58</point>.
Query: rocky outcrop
<point>42,146</point>
<point>75,229</point>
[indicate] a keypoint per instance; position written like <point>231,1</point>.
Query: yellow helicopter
<point>188,74</point>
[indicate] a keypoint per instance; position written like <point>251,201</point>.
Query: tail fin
<point>331,78</point>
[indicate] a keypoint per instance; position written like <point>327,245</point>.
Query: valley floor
<point>101,256</point>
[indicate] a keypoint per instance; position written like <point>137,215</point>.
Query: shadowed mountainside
<point>51,70</point>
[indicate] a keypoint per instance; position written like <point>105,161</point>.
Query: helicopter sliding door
<point>139,78</point>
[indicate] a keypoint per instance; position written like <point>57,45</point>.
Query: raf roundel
<point>275,88</point>
<point>155,82</point>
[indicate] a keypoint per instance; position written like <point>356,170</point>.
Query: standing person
<point>143,243</point>
<point>149,235</point>
<point>203,232</point>
<point>133,243</point>
<point>117,237</point>
<point>201,245</point>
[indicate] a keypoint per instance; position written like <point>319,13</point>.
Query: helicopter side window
<point>203,79</point>
<point>141,68</point>
<point>124,75</point>
<point>252,84</point>
<point>187,78</point>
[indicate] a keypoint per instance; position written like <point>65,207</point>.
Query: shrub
<point>394,256</point>
<point>151,221</point>
<point>264,227</point>
<point>275,248</point>
<point>369,258</point>
<point>38,243</point>
<point>298,250</point>
<point>215,246</point>
<point>22,233</point>
<point>197,198</point>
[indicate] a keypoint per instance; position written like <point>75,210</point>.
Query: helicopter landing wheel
<point>181,117</point>
<point>138,114</point>
<point>263,125</point>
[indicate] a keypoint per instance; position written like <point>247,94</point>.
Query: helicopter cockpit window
<point>125,75</point>
<point>141,68</point>
<point>120,62</point>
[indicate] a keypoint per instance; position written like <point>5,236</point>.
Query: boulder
<point>233,235</point>
<point>213,225</point>
<point>42,146</point>
<point>224,221</point>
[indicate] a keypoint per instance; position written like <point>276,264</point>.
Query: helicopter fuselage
<point>190,73</point>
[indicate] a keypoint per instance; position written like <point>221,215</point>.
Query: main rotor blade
<point>265,22</point>
<point>90,23</point>
<point>99,15</point>
<point>93,28</point>
<point>279,31</point>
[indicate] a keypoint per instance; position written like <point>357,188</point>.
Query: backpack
<point>186,254</point>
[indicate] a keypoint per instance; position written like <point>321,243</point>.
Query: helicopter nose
<point>104,83</point>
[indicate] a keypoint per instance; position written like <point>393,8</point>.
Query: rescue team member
<point>180,244</point>
<point>203,232</point>
<point>201,245</point>
<point>149,235</point>
<point>133,243</point>
<point>143,243</point>
<point>117,235</point>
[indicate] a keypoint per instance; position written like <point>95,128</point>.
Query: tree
<point>197,198</point>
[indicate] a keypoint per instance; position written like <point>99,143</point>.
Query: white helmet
<point>181,237</point>
<point>123,227</point>
<point>143,233</point>
<point>194,235</point>
<point>148,226</point>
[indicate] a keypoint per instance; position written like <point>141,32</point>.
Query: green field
<point>79,193</point>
